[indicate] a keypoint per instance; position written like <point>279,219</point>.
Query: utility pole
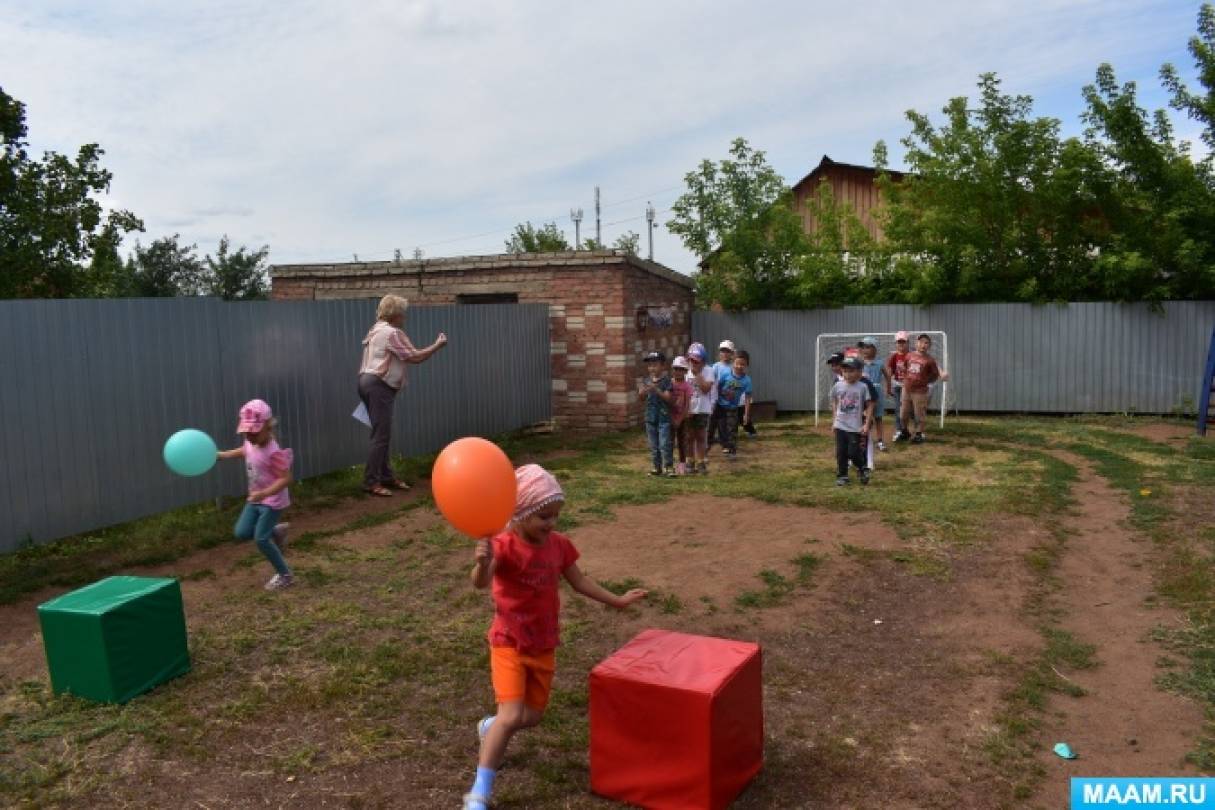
<point>598,231</point>
<point>576,215</point>
<point>649,218</point>
<point>417,254</point>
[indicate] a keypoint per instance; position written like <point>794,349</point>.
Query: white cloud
<point>327,129</point>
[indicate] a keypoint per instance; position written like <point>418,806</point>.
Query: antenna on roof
<point>576,215</point>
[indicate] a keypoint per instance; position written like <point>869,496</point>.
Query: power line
<point>557,218</point>
<point>647,195</point>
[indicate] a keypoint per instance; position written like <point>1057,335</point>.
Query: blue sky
<point>327,129</point>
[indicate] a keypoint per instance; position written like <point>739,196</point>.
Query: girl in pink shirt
<point>268,467</point>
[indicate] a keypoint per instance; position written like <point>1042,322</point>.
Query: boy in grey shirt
<point>852,405</point>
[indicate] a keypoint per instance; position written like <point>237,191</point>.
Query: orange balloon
<point>474,485</point>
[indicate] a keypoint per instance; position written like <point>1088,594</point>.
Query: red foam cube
<point>677,721</point>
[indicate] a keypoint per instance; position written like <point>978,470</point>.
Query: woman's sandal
<point>398,484</point>
<point>383,492</point>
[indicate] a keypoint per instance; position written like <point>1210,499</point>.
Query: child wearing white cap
<point>725,362</point>
<point>681,401</point>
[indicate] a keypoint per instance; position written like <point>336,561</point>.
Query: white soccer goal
<point>828,344</point>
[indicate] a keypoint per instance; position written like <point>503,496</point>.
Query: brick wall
<point>593,296</point>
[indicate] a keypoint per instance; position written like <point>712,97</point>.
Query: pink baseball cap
<point>254,415</point>
<point>900,336</point>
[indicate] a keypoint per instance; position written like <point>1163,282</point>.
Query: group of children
<point>858,398</point>
<point>691,405</point>
<point>687,405</point>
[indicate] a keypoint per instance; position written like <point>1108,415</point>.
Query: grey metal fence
<point>1067,358</point>
<point>90,390</point>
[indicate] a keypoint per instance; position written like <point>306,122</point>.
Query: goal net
<point>830,343</point>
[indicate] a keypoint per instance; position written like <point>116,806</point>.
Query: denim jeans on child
<point>659,434</point>
<point>258,521</point>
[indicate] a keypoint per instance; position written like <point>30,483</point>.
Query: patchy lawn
<point>926,639</point>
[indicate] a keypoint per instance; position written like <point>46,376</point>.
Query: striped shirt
<point>386,350</point>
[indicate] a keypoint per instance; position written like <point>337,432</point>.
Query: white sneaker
<point>475,801</point>
<point>280,535</point>
<point>278,582</point>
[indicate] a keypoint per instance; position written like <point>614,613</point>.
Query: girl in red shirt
<point>525,564</point>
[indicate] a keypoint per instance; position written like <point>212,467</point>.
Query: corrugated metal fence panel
<point>90,390</point>
<point>1074,358</point>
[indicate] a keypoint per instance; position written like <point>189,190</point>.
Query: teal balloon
<point>190,452</point>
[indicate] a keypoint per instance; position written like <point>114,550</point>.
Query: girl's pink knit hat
<point>535,488</point>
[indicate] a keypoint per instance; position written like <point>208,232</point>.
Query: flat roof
<point>502,261</point>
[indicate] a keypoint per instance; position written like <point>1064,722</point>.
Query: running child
<point>268,468</point>
<point>525,564</point>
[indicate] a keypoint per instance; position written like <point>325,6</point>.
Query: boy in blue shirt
<point>734,401</point>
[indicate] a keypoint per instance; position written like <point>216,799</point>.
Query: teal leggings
<point>258,521</point>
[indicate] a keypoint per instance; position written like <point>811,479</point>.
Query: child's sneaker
<point>732,455</point>
<point>475,801</point>
<point>280,535</point>
<point>703,469</point>
<point>842,481</point>
<point>725,451</point>
<point>656,471</point>
<point>918,439</point>
<point>901,436</point>
<point>864,476</point>
<point>881,445</point>
<point>681,469</point>
<point>279,581</point>
<point>670,473</point>
<point>483,726</point>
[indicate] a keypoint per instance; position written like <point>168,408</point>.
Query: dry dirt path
<point>1124,725</point>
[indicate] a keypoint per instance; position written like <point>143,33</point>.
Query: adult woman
<point>386,351</point>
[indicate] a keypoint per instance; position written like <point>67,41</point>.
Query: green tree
<point>629,242</point>
<point>237,276</point>
<point>1159,204</point>
<point>737,216</point>
<point>529,239</point>
<point>1199,106</point>
<point>51,221</point>
<point>165,269</point>
<point>107,275</point>
<point>996,206</point>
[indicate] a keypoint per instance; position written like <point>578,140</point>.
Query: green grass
<point>385,638</point>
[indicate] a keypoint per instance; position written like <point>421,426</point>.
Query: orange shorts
<point>518,676</point>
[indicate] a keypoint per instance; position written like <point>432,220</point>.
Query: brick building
<point>606,308</point>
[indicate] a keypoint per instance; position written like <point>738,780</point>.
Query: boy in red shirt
<point>896,372</point>
<point>922,371</point>
<point>525,564</point>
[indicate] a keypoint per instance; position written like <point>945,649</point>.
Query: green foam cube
<point>116,638</point>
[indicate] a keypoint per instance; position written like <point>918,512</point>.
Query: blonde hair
<point>390,307</point>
